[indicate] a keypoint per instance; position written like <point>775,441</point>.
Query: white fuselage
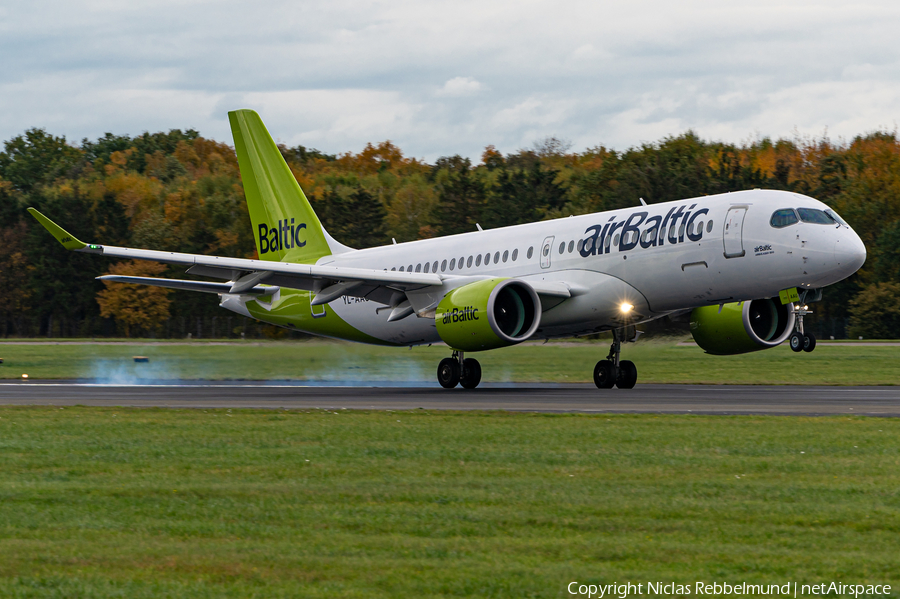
<point>720,249</point>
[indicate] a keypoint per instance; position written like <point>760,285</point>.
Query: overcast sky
<point>441,78</point>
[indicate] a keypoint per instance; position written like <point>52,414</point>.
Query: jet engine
<point>742,327</point>
<point>488,314</point>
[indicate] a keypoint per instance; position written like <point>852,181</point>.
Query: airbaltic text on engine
<point>460,315</point>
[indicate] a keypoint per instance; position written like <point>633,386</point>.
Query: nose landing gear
<point>801,341</point>
<point>613,372</point>
<point>459,370</point>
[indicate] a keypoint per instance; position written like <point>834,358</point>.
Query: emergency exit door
<point>546,252</point>
<point>734,232</point>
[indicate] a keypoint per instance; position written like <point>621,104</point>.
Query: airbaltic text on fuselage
<point>637,228</point>
<point>460,315</point>
<point>283,237</point>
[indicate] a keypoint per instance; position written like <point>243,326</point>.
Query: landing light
<point>625,308</point>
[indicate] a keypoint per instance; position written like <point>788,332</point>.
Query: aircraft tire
<point>471,374</point>
<point>627,375</point>
<point>809,342</point>
<point>796,342</point>
<point>605,374</point>
<point>448,373</point>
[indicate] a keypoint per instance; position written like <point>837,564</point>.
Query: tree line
<point>180,191</point>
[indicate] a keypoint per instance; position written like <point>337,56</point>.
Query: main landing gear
<point>613,372</point>
<point>459,370</point>
<point>799,340</point>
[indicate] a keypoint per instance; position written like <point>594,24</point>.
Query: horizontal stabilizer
<point>204,286</point>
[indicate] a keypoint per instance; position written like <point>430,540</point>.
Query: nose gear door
<point>546,251</point>
<point>733,235</point>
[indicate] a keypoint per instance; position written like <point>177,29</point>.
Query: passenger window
<point>571,246</point>
<point>616,240</point>
<point>783,218</point>
<point>395,268</point>
<point>496,257</point>
<point>418,268</point>
<point>487,259</point>
<point>608,242</point>
<point>580,245</point>
<point>530,252</point>
<point>818,217</point>
<point>401,269</point>
<point>562,247</point>
<point>588,244</point>
<point>699,228</point>
<point>426,267</point>
<point>478,260</point>
<point>452,263</point>
<point>444,266</point>
<point>709,227</point>
<point>409,268</point>
<point>505,255</point>
<point>681,230</point>
<point>515,254</point>
<point>469,262</point>
<point>434,266</point>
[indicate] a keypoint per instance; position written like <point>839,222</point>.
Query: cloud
<point>460,86</point>
<point>438,82</point>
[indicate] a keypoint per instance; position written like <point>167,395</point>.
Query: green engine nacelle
<point>742,327</point>
<point>488,314</point>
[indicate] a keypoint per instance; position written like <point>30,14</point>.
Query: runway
<point>669,399</point>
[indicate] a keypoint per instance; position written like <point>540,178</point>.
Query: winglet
<point>64,237</point>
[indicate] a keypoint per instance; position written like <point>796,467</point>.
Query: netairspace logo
<point>718,589</point>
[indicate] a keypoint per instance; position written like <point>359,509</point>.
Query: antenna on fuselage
<point>643,203</point>
<point>479,227</point>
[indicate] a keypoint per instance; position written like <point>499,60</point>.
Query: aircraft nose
<point>850,252</point>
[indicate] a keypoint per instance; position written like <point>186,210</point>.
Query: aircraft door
<point>546,252</point>
<point>733,235</point>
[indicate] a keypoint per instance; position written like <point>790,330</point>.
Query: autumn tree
<point>135,307</point>
<point>875,312</point>
<point>460,195</point>
<point>35,158</point>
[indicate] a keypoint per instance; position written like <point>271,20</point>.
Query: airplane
<point>744,264</point>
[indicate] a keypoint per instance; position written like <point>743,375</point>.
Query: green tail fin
<point>285,226</point>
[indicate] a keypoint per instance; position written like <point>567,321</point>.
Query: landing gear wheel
<point>448,373</point>
<point>796,342</point>
<point>627,375</point>
<point>471,374</point>
<point>809,342</point>
<point>605,374</point>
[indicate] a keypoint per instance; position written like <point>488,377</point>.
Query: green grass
<point>657,361</point>
<point>102,502</point>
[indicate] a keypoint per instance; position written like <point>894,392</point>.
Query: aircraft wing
<point>263,277</point>
<point>247,276</point>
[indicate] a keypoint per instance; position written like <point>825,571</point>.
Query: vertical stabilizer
<point>285,226</point>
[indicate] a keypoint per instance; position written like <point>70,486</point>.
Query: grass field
<point>660,361</point>
<point>98,502</point>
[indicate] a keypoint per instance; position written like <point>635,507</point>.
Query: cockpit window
<point>835,216</point>
<point>811,215</point>
<point>783,218</point>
